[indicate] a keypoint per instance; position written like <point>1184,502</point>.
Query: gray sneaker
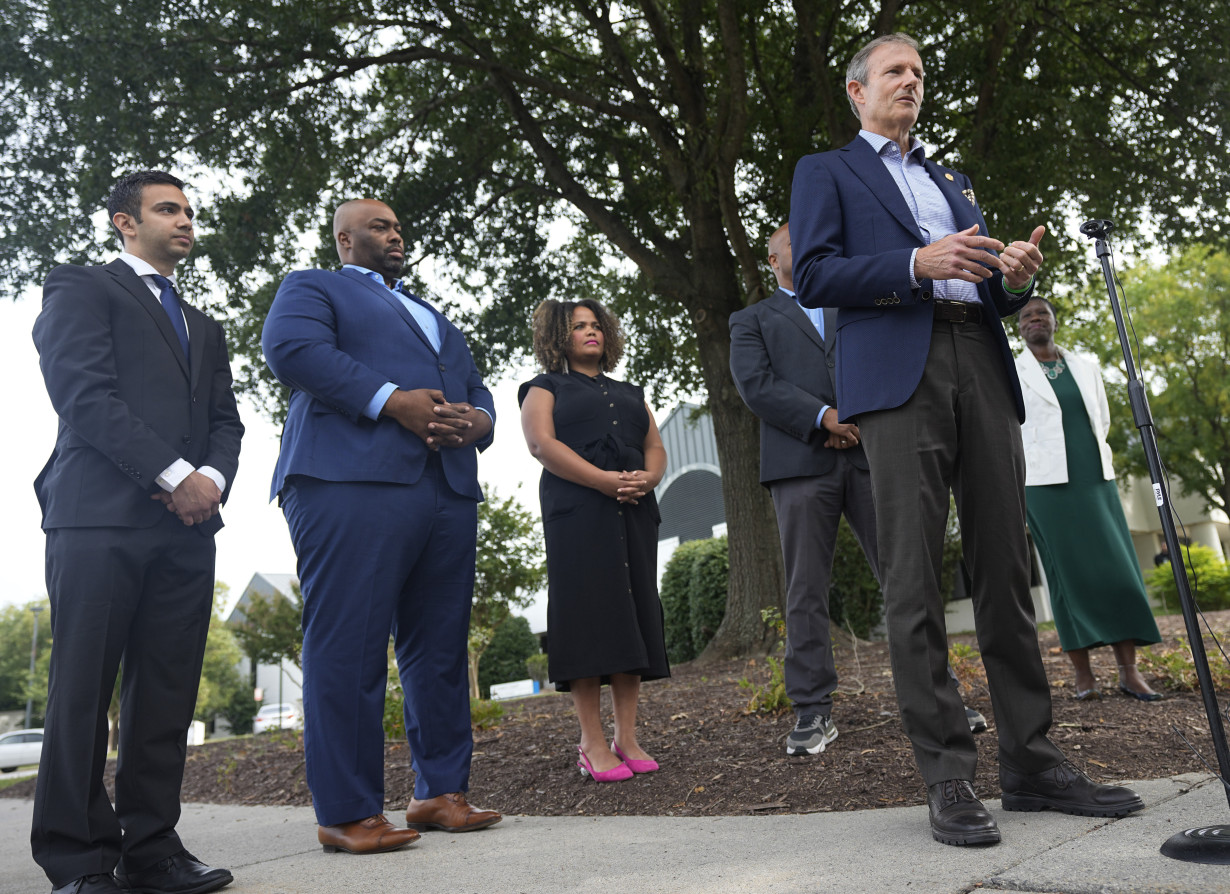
<point>811,734</point>
<point>977,723</point>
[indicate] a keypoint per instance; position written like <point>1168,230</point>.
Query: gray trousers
<point>808,512</point>
<point>958,430</point>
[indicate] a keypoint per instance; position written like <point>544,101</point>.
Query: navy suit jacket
<point>852,233</point>
<point>335,338</point>
<point>129,402</point>
<point>783,370</point>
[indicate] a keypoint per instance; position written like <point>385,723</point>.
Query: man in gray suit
<point>781,358</point>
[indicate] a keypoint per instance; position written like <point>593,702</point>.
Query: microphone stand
<point>1207,844</point>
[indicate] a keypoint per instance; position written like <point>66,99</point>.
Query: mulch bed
<point>718,759</point>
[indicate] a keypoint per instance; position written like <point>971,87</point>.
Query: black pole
<point>1209,844</point>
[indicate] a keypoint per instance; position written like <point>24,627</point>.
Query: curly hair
<point>552,323</point>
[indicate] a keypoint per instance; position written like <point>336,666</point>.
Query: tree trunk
<point>756,577</point>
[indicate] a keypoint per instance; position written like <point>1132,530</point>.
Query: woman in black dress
<point>602,456</point>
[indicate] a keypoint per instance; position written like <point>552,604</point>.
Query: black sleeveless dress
<point>603,612</point>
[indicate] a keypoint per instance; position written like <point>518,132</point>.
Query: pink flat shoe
<point>615,774</point>
<point>634,765</point>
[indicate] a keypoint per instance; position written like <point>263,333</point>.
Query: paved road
<point>273,850</point>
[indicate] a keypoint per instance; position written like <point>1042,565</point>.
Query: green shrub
<point>707,590</point>
<point>855,600</point>
<point>537,666</point>
<point>1207,575</point>
<point>394,718</point>
<point>770,698</point>
<point>504,658</point>
<point>676,616</point>
<point>485,714</point>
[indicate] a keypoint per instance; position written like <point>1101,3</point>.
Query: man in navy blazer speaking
<point>378,480</point>
<point>899,245</point>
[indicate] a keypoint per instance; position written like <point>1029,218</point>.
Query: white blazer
<point>1046,457</point>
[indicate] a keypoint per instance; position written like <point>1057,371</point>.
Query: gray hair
<point>857,70</point>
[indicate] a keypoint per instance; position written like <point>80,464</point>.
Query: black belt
<point>958,311</point>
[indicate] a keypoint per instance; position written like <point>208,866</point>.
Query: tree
<point>663,131</point>
<point>1180,313</point>
<point>504,659</point>
<point>509,571</point>
<point>16,632</point>
<point>270,629</point>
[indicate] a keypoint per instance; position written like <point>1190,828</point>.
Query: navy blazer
<point>335,338</point>
<point>852,234</point>
<point>783,370</point>
<point>130,404</point>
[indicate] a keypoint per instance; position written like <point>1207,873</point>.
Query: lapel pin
<point>969,194</point>
<point>948,176</point>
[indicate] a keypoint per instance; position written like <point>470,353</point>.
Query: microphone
<point>1097,229</point>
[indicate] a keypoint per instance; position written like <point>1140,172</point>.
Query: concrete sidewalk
<point>273,850</point>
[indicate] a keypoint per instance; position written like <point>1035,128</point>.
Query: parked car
<point>19,748</point>
<point>271,717</point>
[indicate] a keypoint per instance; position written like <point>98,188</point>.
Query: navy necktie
<point>170,303</point>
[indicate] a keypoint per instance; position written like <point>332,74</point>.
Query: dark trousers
<point>375,558</point>
<point>958,431</point>
<point>809,510</point>
<point>143,594</point>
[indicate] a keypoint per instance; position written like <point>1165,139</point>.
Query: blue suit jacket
<point>335,338</point>
<point>851,234</point>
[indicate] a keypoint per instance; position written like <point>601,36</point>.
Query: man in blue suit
<point>378,480</point>
<point>899,245</point>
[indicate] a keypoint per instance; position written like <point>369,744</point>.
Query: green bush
<point>676,616</point>
<point>504,659</point>
<point>707,588</point>
<point>855,600</point>
<point>537,666</point>
<point>1207,575</point>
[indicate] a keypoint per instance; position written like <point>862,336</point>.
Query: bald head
<point>779,257</point>
<point>368,235</point>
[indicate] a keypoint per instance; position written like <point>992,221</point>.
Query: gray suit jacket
<point>784,372</point>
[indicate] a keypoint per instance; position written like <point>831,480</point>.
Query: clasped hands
<point>970,257</point>
<point>439,423</point>
<point>626,487</point>
<point>195,500</point>
<point>842,435</point>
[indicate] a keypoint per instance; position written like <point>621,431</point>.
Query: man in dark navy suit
<point>924,367</point>
<point>378,480</point>
<point>147,448</point>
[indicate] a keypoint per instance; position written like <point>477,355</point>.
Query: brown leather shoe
<point>374,835</point>
<point>450,813</point>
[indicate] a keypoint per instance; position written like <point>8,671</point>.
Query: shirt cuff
<point>174,474</point>
<point>215,476</point>
<point>376,404</point>
<point>913,281</point>
<point>820,417</point>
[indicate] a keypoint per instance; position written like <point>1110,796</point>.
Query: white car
<point>271,717</point>
<point>19,748</point>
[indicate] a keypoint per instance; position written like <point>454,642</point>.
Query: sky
<point>255,538</point>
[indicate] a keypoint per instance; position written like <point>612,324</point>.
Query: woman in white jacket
<point>1075,515</point>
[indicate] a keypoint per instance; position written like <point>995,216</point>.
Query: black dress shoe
<point>1066,789</point>
<point>179,873</point>
<point>957,817</point>
<point>89,884</point>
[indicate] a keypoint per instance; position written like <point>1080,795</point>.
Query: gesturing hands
<point>970,257</point>
<point>439,423</point>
